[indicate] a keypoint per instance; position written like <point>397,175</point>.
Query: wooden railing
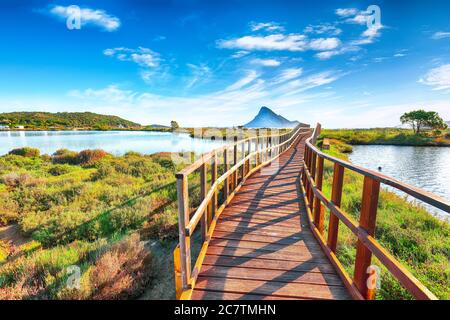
<point>245,157</point>
<point>367,245</point>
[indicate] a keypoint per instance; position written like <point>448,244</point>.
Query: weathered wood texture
<point>262,246</point>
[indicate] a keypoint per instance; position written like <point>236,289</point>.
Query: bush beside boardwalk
<point>420,241</point>
<point>116,218</point>
<point>84,209</point>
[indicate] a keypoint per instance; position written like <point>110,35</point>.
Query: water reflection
<point>425,167</point>
<point>115,142</point>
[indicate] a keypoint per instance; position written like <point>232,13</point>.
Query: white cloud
<point>144,57</point>
<point>267,26</point>
<point>89,16</point>
<point>346,12</point>
<point>199,72</point>
<point>440,35</point>
<point>438,78</point>
<point>323,28</point>
<point>323,44</point>
<point>289,74</point>
<point>240,54</point>
<point>247,79</point>
<point>358,19</point>
<point>280,42</point>
<point>266,62</point>
<point>325,55</point>
<point>291,42</point>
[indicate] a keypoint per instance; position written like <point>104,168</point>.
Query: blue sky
<point>217,62</point>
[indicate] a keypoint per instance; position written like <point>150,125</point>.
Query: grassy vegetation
<point>64,120</point>
<point>89,209</point>
<point>389,136</point>
<point>417,239</point>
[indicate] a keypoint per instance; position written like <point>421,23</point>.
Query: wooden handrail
<point>365,228</point>
<point>267,148</point>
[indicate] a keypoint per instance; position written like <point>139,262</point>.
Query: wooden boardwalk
<point>262,246</point>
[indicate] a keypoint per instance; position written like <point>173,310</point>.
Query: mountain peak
<point>266,118</point>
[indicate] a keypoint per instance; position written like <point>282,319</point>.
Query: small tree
<point>174,125</point>
<point>420,119</point>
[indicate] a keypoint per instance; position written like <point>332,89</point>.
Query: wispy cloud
<point>440,35</point>
<point>144,57</point>
<point>289,74</point>
<point>245,94</point>
<point>346,12</point>
<point>324,28</point>
<point>94,17</point>
<point>266,62</point>
<point>323,44</point>
<point>280,42</point>
<point>291,42</point>
<point>199,72</point>
<point>248,78</point>
<point>266,26</point>
<point>438,78</point>
<point>240,54</point>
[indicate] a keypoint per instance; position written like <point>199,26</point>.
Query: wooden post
<point>213,179</point>
<point>243,157</point>
<point>336,196</point>
<point>249,150</point>
<point>318,207</point>
<point>185,240</point>
<point>235,160</point>
<point>367,221</point>
<point>203,187</point>
<point>313,175</point>
<point>177,272</point>
<point>226,186</point>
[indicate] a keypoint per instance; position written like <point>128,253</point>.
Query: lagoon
<point>427,168</point>
<point>115,142</point>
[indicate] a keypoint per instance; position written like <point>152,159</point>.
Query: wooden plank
<point>267,264</point>
<point>273,288</point>
<point>215,295</point>
<point>271,275</point>
<point>282,255</point>
<point>272,227</point>
<point>274,247</point>
<point>304,238</point>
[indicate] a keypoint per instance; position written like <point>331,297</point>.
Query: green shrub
<point>89,157</point>
<point>26,152</point>
<point>64,156</point>
<point>60,169</point>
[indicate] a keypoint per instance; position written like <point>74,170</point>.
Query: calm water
<point>425,167</point>
<point>115,142</point>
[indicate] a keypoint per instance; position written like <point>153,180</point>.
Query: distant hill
<point>266,118</point>
<point>42,120</point>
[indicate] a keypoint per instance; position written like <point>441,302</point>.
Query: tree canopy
<point>421,119</point>
<point>174,125</point>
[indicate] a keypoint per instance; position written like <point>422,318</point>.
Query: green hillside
<point>62,120</point>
